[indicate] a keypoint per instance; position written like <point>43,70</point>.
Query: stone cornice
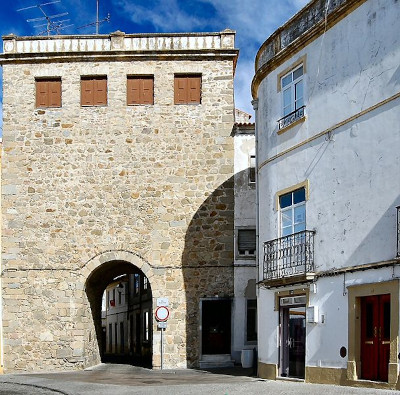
<point>117,56</point>
<point>120,46</point>
<point>286,41</point>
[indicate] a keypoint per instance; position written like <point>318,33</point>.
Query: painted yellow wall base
<point>320,375</point>
<point>268,371</point>
<point>1,370</point>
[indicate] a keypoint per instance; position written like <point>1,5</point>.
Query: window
<point>145,283</point>
<point>116,336</point>
<point>94,91</point>
<point>187,89</point>
<point>292,86</point>
<point>136,284</point>
<point>110,338</point>
<point>122,336</point>
<point>246,242</point>
<point>48,92</point>
<point>252,169</point>
<point>140,90</point>
<point>293,211</point>
<point>251,325</point>
<point>146,325</point>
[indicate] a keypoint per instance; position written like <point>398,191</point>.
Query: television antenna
<point>51,24</point>
<point>98,22</point>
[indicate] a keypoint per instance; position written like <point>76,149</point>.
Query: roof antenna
<point>51,24</point>
<point>98,22</point>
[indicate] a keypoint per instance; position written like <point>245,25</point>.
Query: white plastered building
<point>326,94</point>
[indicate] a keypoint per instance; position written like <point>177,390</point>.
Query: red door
<point>375,337</point>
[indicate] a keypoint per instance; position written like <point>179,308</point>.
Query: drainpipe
<point>255,107</point>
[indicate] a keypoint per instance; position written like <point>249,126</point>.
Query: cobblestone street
<point>108,379</point>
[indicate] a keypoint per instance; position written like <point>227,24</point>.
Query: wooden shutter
<point>48,93</point>
<point>180,90</point>
<point>148,90</point>
<point>194,89</point>
<point>86,92</point>
<point>41,94</point>
<point>133,88</point>
<point>187,89</point>
<point>54,93</point>
<point>100,91</point>
<point>140,90</point>
<point>94,91</point>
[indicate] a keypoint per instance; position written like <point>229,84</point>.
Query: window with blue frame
<point>293,211</point>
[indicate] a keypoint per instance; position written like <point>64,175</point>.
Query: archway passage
<point>120,299</point>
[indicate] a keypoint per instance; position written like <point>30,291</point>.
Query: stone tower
<point>117,159</point>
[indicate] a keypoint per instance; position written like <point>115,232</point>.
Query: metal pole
<point>162,330</point>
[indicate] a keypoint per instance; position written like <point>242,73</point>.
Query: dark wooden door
<point>216,327</point>
<point>375,337</point>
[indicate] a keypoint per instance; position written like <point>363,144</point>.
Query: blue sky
<point>253,20</point>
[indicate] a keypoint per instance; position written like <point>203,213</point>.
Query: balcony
<point>289,259</point>
<point>292,117</point>
<point>398,232</point>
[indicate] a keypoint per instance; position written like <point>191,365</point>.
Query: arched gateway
<point>120,298</point>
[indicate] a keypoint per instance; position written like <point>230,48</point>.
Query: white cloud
<point>254,21</point>
<point>243,77</point>
<point>165,16</point>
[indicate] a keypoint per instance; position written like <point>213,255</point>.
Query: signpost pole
<point>162,330</point>
<point>162,314</point>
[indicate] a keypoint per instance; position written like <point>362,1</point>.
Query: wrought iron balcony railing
<point>289,256</point>
<point>398,231</point>
<point>292,117</point>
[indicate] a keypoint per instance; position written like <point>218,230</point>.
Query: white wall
<point>245,194</point>
<point>115,315</point>
<point>354,175</point>
<point>245,216</point>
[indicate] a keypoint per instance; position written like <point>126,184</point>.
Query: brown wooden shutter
<point>86,92</point>
<point>93,91</point>
<point>187,89</point>
<point>48,93</point>
<point>180,90</point>
<point>148,90</point>
<point>41,94</point>
<point>140,90</point>
<point>54,93</point>
<point>194,89</point>
<point>100,91</point>
<point>133,89</point>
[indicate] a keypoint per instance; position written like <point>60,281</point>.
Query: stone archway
<point>99,272</point>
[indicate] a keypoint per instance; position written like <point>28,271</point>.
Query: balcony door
<point>292,341</point>
<point>375,337</point>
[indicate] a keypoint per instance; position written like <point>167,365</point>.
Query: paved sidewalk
<point>107,379</point>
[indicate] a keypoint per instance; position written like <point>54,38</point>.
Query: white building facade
<point>244,317</point>
<point>326,93</point>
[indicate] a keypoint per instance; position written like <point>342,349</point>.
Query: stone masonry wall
<point>155,181</point>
